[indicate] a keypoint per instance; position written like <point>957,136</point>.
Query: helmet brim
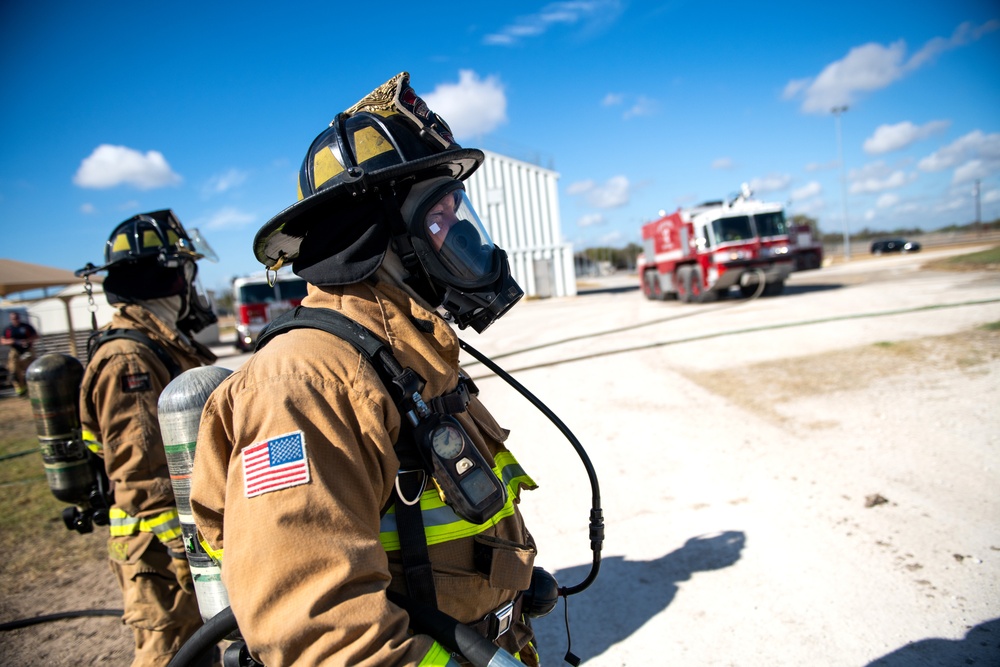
<point>277,242</point>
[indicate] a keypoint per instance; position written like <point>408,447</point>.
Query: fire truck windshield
<point>283,290</point>
<point>728,230</point>
<point>771,224</point>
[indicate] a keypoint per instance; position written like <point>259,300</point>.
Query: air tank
<point>179,409</point>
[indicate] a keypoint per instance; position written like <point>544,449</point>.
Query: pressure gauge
<point>447,441</point>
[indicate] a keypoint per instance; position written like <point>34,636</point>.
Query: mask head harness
<point>387,152</point>
<point>151,256</point>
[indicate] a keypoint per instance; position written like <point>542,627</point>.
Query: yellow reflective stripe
<point>438,656</point>
<point>165,525</point>
<point>91,441</point>
<point>442,524</point>
<point>122,524</point>
<point>214,554</point>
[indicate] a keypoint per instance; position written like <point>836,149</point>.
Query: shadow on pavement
<point>980,646</point>
<point>627,594</point>
<point>791,290</point>
<point>584,291</point>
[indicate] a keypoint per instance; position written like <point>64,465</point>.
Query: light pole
<point>836,111</point>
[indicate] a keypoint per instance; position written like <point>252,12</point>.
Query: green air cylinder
<point>179,409</point>
<point>54,389</point>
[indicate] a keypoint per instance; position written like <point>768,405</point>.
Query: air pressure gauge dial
<point>447,441</point>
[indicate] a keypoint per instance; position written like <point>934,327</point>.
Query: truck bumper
<point>749,272</point>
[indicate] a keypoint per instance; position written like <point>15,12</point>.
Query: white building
<point>519,204</point>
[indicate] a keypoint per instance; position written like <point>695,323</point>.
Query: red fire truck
<point>257,301</point>
<point>697,254</point>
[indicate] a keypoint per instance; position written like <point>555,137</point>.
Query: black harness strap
<point>99,338</point>
<point>402,383</point>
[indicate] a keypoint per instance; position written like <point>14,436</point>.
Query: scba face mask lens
<point>468,274</point>
<point>456,234</point>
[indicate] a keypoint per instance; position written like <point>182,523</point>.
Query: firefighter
<point>21,337</point>
<point>151,267</point>
<point>297,483</point>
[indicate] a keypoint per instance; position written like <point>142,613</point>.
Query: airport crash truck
<point>698,254</point>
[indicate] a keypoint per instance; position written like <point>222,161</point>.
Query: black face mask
<point>451,254</point>
<point>196,306</point>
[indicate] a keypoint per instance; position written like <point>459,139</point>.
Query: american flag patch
<point>275,464</point>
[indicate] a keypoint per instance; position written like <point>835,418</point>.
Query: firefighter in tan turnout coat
<point>297,486</point>
<point>151,268</point>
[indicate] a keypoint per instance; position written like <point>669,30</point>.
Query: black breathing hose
<point>596,514</point>
<point>423,618</point>
<point>202,642</point>
<point>26,622</point>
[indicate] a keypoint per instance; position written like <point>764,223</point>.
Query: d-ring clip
<point>416,498</point>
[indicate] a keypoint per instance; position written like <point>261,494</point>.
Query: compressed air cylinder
<point>54,389</point>
<point>179,409</point>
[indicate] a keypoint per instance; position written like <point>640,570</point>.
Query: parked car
<point>894,245</point>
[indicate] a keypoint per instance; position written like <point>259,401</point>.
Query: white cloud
<point>770,183</point>
<point>887,200</point>
<point>872,67</point>
<point>592,15</point>
<point>591,219</point>
<point>227,180</point>
<point>869,215</point>
<point>229,218</point>
<point>990,196</point>
<point>722,163</point>
<point>109,166</point>
<point>643,106</point>
<point>87,208</point>
<point>874,184</point>
<point>612,99</point>
<point>611,238</point>
<point>613,193</point>
<point>971,171</point>
<point>822,166</point>
<point>811,189</point>
<point>810,206</point>
<point>896,137</point>
<point>472,107</point>
<point>974,145</point>
<point>579,187</point>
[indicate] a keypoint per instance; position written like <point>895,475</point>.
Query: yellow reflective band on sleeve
<point>165,525</point>
<point>214,554</point>
<point>438,656</point>
<point>442,524</point>
<point>90,440</point>
<point>122,524</point>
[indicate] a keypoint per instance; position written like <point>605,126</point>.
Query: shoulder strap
<point>99,338</point>
<point>402,383</point>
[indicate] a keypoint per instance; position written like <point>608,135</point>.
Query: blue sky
<point>115,108</point>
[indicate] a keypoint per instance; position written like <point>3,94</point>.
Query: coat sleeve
<point>303,565</point>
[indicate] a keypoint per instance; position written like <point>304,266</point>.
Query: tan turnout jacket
<point>304,565</point>
<point>118,397</point>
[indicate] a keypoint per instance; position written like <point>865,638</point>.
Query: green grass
<point>991,326</point>
<point>33,538</point>
<point>990,256</point>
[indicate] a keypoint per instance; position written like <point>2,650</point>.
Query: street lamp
<point>836,111</point>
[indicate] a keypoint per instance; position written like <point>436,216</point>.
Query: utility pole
<point>837,111</point>
<point>978,212</point>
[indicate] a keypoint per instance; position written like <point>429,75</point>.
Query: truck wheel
<point>651,286</point>
<point>682,282</point>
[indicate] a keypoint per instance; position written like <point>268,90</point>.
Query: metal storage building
<point>519,204</point>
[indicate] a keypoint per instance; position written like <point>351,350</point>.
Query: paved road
<point>740,539</point>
